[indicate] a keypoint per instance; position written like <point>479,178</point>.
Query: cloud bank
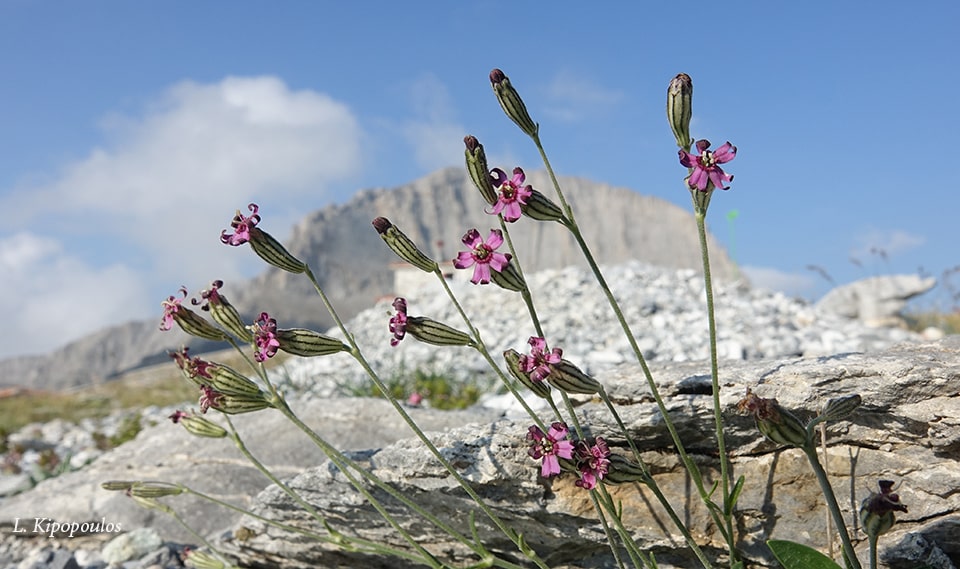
<point>145,209</point>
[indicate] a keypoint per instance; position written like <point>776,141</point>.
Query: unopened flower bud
<point>274,253</point>
<point>876,512</point>
<point>569,378</point>
<point>512,358</point>
<point>151,504</point>
<point>117,485</point>
<point>193,324</point>
<point>623,470</point>
<point>775,422</point>
<point>840,407</point>
<point>302,342</point>
<point>478,169</point>
<point>155,490</point>
<point>509,278</point>
<point>541,208</point>
<point>512,104</point>
<point>680,109</point>
<point>403,246</point>
<point>202,427</point>
<point>436,333</point>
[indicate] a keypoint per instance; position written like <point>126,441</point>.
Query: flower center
<point>481,253</point>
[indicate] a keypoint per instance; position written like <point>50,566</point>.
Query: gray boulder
<point>215,466</point>
<point>907,431</point>
<point>877,301</point>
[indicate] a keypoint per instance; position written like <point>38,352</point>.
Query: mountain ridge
<point>354,267</point>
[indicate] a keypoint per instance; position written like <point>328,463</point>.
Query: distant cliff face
<point>354,266</point>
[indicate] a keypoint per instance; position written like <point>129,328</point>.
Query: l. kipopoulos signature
<point>52,528</point>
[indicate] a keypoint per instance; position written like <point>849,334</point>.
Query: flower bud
<point>840,407</point>
<point>478,169</point>
<point>117,485</point>
<point>202,427</point>
<point>509,278</point>
<point>302,342</point>
<point>568,378</point>
<point>541,208</point>
<point>623,470</point>
<point>433,332</point>
<point>274,253</point>
<point>775,422</point>
<point>680,109</point>
<point>512,104</point>
<point>513,366</point>
<point>403,246</point>
<point>154,490</point>
<point>193,324</point>
<point>152,504</point>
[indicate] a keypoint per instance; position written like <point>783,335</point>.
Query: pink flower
<point>593,463</point>
<point>242,226</point>
<point>177,415</point>
<point>482,256</point>
<point>549,447</point>
<point>265,337</point>
<point>707,173</point>
<point>170,307</point>
<point>192,367</point>
<point>209,296</point>
<point>210,397</point>
<point>512,192</point>
<point>398,324</point>
<point>537,364</point>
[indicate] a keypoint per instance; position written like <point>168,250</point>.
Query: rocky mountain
<point>355,268</point>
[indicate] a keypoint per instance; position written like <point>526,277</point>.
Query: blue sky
<point>131,131</point>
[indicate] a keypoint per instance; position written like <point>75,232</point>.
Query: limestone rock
<point>214,466</point>
<point>907,431</point>
<point>877,301</point>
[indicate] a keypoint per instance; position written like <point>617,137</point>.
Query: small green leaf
<point>796,556</point>
<point>734,496</point>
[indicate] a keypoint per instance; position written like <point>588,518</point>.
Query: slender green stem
<point>832,505</point>
<point>358,356</point>
<point>621,531</point>
<point>688,462</point>
<point>715,377</point>
<point>872,540</point>
<point>425,555</point>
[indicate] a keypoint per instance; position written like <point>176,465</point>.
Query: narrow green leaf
<point>796,556</point>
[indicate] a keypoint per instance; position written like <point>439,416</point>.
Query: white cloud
<point>885,243</point>
<point>434,134</point>
<point>166,182</point>
<point>791,284</point>
<point>49,297</point>
<point>574,97</point>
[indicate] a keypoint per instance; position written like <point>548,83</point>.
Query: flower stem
<point>848,552</point>
<point>358,356</point>
<point>700,215</point>
<point>571,224</point>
